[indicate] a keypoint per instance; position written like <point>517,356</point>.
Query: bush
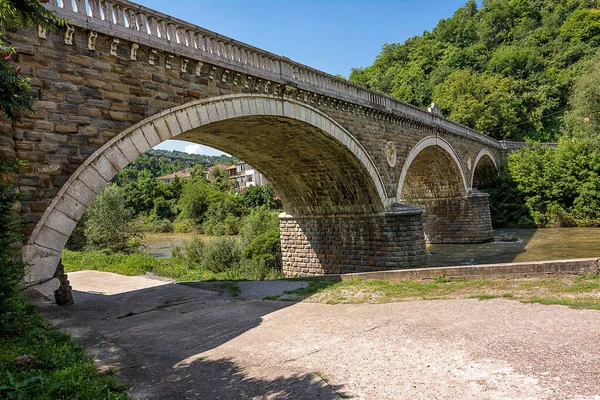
<point>260,196</point>
<point>507,203</point>
<point>163,209</point>
<point>262,256</point>
<point>560,185</point>
<point>184,225</point>
<point>160,225</point>
<point>195,199</point>
<point>109,222</point>
<point>221,254</point>
<point>191,251</point>
<point>259,221</point>
<point>12,268</point>
<point>222,216</point>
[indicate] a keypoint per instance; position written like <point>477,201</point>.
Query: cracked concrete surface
<point>174,341</point>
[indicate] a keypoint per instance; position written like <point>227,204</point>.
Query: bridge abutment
<point>321,244</point>
<point>457,219</point>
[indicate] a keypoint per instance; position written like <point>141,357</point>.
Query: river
<point>528,245</point>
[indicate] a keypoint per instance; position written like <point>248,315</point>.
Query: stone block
<point>60,222</point>
<point>116,158</point>
<point>92,179</point>
<point>128,149</point>
<point>41,263</point>
<point>104,167</point>
<point>151,135</point>
<point>51,239</point>
<point>139,140</point>
<point>72,208</point>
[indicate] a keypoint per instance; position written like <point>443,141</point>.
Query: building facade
<point>244,175</point>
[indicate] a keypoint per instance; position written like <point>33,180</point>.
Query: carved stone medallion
<point>390,153</point>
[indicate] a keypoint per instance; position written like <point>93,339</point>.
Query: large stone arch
<point>439,158</point>
<point>433,178</point>
<point>484,167</point>
<point>205,121</point>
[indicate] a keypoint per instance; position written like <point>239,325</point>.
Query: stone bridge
<point>365,179</point>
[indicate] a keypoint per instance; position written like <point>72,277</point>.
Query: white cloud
<point>194,149</point>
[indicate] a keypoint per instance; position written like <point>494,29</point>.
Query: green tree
<point>109,222</point>
<point>221,179</point>
<point>195,199</point>
<point>583,118</point>
<point>258,196</point>
<point>484,102</point>
<point>560,185</point>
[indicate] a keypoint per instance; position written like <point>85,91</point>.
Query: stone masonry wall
<point>352,243</point>
<point>457,220</point>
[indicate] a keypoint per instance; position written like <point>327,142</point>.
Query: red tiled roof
<point>184,173</point>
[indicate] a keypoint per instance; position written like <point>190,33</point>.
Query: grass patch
<point>139,264</point>
<point>38,362</point>
<point>581,291</point>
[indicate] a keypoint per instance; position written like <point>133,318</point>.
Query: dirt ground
<point>174,341</point>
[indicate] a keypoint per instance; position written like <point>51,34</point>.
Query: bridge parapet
<point>140,25</point>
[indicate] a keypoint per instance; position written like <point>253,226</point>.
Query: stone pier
<point>457,219</point>
<point>317,245</point>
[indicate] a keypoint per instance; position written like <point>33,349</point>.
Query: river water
<point>510,245</point>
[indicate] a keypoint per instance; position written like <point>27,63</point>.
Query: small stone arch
<point>488,161</point>
<point>419,148</point>
<point>44,247</point>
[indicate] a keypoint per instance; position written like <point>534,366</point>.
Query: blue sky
<point>330,35</point>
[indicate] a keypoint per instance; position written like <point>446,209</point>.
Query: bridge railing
<point>130,21</point>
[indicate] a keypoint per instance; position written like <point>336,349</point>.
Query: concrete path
<point>172,341</point>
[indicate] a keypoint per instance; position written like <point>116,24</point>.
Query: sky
<point>330,35</point>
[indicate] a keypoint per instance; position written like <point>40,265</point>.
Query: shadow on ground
<point>155,338</point>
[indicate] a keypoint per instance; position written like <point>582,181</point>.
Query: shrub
<point>221,254</point>
<point>195,199</point>
<point>260,196</point>
<point>163,209</point>
<point>191,251</point>
<point>222,216</point>
<point>12,269</point>
<point>160,225</point>
<point>259,221</point>
<point>230,225</point>
<point>184,225</point>
<point>109,222</point>
<point>262,256</point>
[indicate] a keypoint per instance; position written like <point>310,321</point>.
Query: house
<point>244,176</point>
<point>208,175</point>
<point>183,174</point>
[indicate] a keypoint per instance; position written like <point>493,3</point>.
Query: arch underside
<point>484,172</point>
<point>432,174</point>
<point>312,172</point>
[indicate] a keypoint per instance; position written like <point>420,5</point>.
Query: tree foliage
<point>109,222</point>
<point>561,186</point>
<point>504,68</point>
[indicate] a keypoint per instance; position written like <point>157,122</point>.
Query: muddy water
<point>514,245</point>
<point>160,244</point>
<point>510,245</point>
